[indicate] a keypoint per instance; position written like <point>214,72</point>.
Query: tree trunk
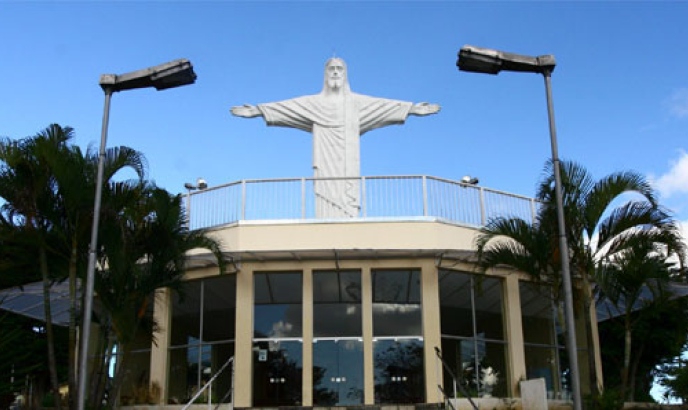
<point>627,357</point>
<point>634,371</point>
<point>587,305</point>
<point>99,371</point>
<point>52,363</point>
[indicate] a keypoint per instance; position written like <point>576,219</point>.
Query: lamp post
<point>488,61</point>
<point>168,75</point>
<point>201,184</point>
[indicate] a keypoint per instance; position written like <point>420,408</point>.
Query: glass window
<point>277,361</point>
<point>489,307</point>
<point>473,341</point>
<point>338,372</point>
<point>337,286</point>
<point>278,306</point>
<point>277,371</point>
<point>337,304</point>
<point>396,303</point>
<point>544,338</point>
<point>399,376</point>
<point>278,287</point>
<point>456,311</point>
<point>396,286</point>
<point>198,352</point>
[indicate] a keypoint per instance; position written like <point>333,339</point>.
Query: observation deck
<point>382,198</point>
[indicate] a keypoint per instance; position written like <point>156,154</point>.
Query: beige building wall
<point>362,245</point>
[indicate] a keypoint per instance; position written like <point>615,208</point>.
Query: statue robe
<point>336,123</point>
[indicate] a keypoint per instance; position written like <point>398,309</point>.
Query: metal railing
<point>405,196</point>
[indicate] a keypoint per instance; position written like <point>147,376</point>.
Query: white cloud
<point>678,103</point>
<point>675,181</point>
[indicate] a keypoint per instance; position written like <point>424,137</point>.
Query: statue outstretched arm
<point>246,111</point>
<point>424,108</point>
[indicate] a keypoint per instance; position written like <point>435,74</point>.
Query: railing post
<point>425,196</point>
<point>303,198</point>
<point>483,216</point>
<point>363,198</point>
<point>533,212</point>
<point>243,199</point>
<point>210,396</point>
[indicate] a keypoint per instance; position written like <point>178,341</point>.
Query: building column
<point>243,343</point>
<point>159,359</point>
<point>514,334</point>
<point>430,308</point>
<point>367,315</point>
<point>307,338</point>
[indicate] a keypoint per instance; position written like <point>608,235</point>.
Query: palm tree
<point>596,230</point>
<point>631,280</point>
<point>49,184</point>
<point>28,188</point>
<point>75,174</point>
<point>144,245</point>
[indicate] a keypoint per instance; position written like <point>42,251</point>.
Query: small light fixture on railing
<point>469,180</point>
<point>201,184</point>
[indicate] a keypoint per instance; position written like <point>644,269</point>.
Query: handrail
<point>447,399</point>
<point>451,373</point>
<point>207,385</point>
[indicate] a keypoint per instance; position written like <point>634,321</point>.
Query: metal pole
<point>90,272</point>
<point>564,252</point>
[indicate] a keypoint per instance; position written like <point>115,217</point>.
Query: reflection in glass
<point>277,370</point>
<point>396,303</point>
<point>473,337</point>
<point>396,286</point>
<point>337,304</point>
<point>337,372</point>
<point>197,353</point>
<point>398,371</point>
<point>277,321</point>
<point>540,330</point>
<point>277,363</point>
<point>278,305</point>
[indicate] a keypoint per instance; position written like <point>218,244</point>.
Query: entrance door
<point>277,373</point>
<point>337,372</point>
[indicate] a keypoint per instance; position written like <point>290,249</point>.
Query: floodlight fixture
<point>489,61</point>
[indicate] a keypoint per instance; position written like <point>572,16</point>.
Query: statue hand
<point>246,111</point>
<point>424,109</point>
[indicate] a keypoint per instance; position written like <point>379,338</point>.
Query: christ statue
<point>336,118</point>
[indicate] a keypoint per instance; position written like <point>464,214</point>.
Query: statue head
<point>335,76</point>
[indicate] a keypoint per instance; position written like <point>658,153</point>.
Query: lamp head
<point>163,76</point>
<point>489,61</point>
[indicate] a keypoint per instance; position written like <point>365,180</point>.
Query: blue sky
<point>620,87</point>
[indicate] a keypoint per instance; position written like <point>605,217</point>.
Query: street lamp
<point>201,184</point>
<point>488,61</point>
<point>169,75</point>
